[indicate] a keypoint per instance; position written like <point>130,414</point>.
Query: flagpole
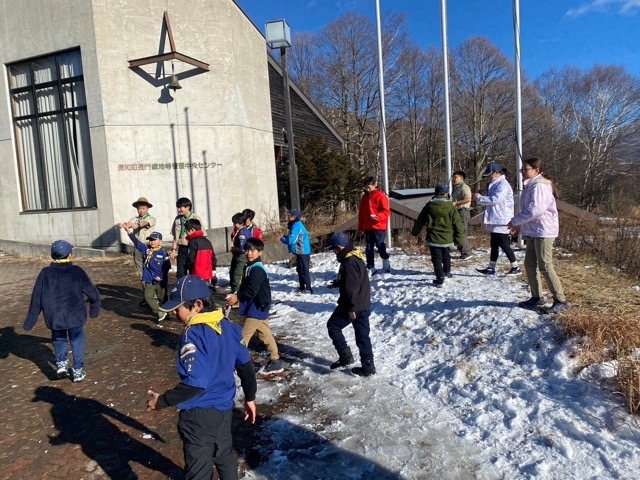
<point>383,124</point>
<point>516,35</point>
<point>447,112</point>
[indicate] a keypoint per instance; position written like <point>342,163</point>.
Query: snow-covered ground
<point>468,386</point>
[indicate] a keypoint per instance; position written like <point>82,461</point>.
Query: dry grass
<point>605,313</point>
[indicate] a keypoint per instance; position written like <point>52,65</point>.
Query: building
<point>87,127</point>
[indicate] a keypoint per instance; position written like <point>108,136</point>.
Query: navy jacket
<point>59,294</point>
<point>158,266</point>
<point>254,292</point>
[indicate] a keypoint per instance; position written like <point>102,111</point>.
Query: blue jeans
<point>375,239</point>
<point>73,336</point>
<point>339,320</point>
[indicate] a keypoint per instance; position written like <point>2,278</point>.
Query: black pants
<point>501,241</point>
<point>302,267</point>
<point>181,261</point>
<point>206,441</point>
<point>441,259</point>
<point>340,320</point>
<point>375,239</point>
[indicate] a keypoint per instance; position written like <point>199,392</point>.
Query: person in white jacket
<point>498,203</point>
<point>538,224</point>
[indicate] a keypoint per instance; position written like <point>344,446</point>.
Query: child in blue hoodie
<point>298,243</point>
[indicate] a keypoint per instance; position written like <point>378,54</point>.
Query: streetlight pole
<point>279,36</point>
<point>293,168</point>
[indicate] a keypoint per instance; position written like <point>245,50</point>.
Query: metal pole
<point>383,124</point>
<point>447,108</point>
<point>516,34</point>
<point>293,168</point>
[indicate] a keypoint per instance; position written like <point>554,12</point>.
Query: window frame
<point>62,114</point>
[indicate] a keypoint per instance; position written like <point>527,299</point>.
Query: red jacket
<point>374,203</point>
<point>201,259</point>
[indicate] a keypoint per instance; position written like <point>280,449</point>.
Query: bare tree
<point>598,111</point>
<point>417,129</point>
<point>483,104</point>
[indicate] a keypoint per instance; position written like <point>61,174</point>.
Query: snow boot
<point>366,370</point>
<point>345,359</point>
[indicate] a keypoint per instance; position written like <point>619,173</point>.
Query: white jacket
<point>498,203</point>
<point>538,215</point>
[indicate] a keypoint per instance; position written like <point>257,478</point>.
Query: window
<point>52,132</point>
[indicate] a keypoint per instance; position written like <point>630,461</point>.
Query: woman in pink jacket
<point>537,222</point>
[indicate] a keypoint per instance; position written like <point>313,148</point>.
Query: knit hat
<point>295,213</point>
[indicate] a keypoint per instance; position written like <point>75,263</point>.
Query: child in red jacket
<point>201,258</point>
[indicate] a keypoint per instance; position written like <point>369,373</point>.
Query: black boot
<point>345,358</point>
<point>366,370</point>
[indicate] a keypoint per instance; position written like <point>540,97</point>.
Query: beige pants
<point>538,261</point>
<point>253,325</point>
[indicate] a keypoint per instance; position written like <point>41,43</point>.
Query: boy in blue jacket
<point>254,295</point>
<point>298,243</point>
<point>59,294</point>
<point>210,350</point>
<point>155,269</point>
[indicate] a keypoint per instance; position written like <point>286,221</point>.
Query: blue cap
<point>492,167</point>
<point>61,249</point>
<point>187,288</point>
<point>339,239</point>
<point>442,189</point>
<point>155,236</point>
<point>295,213</point>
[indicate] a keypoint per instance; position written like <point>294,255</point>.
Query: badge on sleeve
<point>187,350</point>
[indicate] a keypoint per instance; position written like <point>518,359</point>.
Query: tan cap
<point>141,201</point>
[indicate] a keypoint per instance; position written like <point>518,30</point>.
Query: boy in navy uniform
<point>155,269</point>
<point>59,294</point>
<point>209,352</point>
<point>354,305</point>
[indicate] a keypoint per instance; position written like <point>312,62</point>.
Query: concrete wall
<point>216,130</point>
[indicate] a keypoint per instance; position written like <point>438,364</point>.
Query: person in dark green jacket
<point>444,230</point>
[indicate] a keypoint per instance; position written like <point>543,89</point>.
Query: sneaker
<point>486,271</point>
<point>558,307</point>
<point>448,275</point>
<point>464,256</point>
<point>366,370</point>
<point>78,375</point>
<point>162,316</point>
<point>62,369</point>
<point>533,303</point>
<point>514,271</point>
<point>386,266</point>
<point>273,367</point>
<point>438,282</point>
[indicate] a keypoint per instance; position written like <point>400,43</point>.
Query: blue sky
<point>554,33</point>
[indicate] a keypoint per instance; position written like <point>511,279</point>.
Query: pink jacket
<point>538,215</point>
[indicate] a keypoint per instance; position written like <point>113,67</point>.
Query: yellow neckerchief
<point>150,253</point>
<point>62,260</point>
<point>211,319</point>
<point>355,253</point>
